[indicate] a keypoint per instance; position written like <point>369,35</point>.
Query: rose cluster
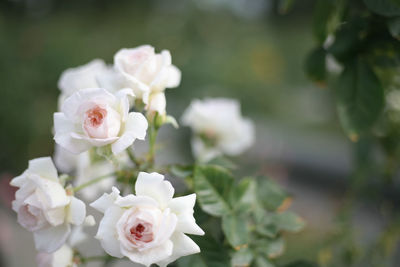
<point>103,109</point>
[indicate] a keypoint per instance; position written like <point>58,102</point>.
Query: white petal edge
<point>183,246</point>
<point>77,211</point>
<point>107,233</point>
<point>154,186</point>
<point>43,167</point>
<point>52,238</point>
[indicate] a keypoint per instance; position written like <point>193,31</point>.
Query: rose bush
<point>103,110</point>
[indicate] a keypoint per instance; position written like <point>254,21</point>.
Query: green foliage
<point>359,97</point>
<point>384,7</point>
<point>315,65</point>
<point>212,186</point>
<point>250,213</point>
<point>364,40</point>
<point>212,254</point>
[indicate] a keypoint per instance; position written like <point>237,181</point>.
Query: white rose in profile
<point>219,128</point>
<point>44,207</point>
<point>63,257</point>
<point>149,227</point>
<point>95,117</point>
<point>146,72</point>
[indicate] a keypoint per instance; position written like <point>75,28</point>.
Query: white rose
<point>145,71</point>
<point>148,227</point>
<point>95,117</point>
<point>44,207</point>
<point>219,128</point>
<point>61,258</point>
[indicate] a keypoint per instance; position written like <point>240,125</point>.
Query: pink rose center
<point>142,232</point>
<point>95,116</point>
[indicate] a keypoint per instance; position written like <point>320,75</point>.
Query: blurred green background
<point>242,49</point>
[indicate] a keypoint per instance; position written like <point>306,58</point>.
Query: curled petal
<point>43,167</point>
<point>106,200</point>
<point>183,208</point>
<point>154,186</point>
<point>77,211</point>
<point>183,246</point>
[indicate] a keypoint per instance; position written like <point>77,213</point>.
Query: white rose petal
<point>43,206</point>
<point>145,71</point>
<point>61,258</point>
<point>95,117</point>
<point>147,227</point>
<point>218,127</point>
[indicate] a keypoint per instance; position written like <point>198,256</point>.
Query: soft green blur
<point>221,52</point>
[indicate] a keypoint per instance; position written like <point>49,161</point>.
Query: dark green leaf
<point>394,27</point>
<point>349,39</point>
<point>387,8</point>
<point>242,258</point>
<point>235,229</point>
<point>212,185</point>
<point>322,12</point>
<point>270,194</point>
<point>359,98</point>
<point>315,65</point>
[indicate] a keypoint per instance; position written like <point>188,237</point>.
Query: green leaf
<point>270,195</point>
<point>301,264</point>
<point>243,196</point>
<point>315,65</point>
<point>235,229</point>
<point>242,258</point>
<point>223,162</point>
<point>270,248</point>
<point>322,12</point>
<point>388,8</point>
<point>212,185</point>
<point>212,254</point>
<point>288,221</point>
<point>360,98</point>
<point>181,171</point>
<point>349,38</point>
<point>394,27</point>
<point>263,262</point>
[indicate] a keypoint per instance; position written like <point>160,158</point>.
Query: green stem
<point>93,181</point>
<point>95,258</point>
<point>152,143</point>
